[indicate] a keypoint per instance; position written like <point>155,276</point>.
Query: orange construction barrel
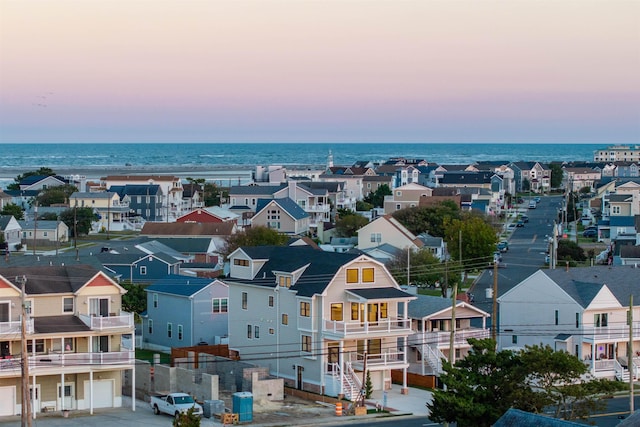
<point>339,409</point>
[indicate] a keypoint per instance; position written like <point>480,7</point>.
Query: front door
<point>101,344</point>
<point>35,398</point>
<point>300,369</point>
<point>333,356</point>
<point>373,313</point>
<point>99,307</point>
<point>66,401</point>
<point>4,349</point>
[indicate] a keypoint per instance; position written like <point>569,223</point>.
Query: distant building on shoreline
<point>618,153</point>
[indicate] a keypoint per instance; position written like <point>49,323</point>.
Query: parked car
<point>174,404</point>
<point>532,204</point>
<point>537,199</point>
<point>590,233</point>
<point>520,223</point>
<point>524,218</point>
<point>503,246</point>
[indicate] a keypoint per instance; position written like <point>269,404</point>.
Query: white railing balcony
<point>608,333</point>
<point>15,327</point>
<point>383,326</point>
<point>44,362</point>
<point>318,208</point>
<point>389,359</point>
<point>443,338</point>
<point>98,323</point>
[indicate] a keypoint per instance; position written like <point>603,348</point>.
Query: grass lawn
<point>147,355</point>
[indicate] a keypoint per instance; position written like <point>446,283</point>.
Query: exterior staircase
<point>434,357</point>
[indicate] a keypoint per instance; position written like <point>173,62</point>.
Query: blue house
<point>185,311</point>
<point>145,200</point>
<point>137,266</point>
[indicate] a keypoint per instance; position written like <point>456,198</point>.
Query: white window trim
<point>73,306</point>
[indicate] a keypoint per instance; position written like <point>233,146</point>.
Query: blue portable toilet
<point>243,406</point>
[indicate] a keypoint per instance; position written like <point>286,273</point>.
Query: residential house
<point>531,176</point>
<point>575,179</point>
<point>22,198</point>
<point>387,230</point>
<point>440,195</point>
<point>580,310</point>
<point>41,182</point>
<point>112,211</point>
<point>170,188</point>
<point>203,250</point>
<point>139,267</point>
<point>43,233</point>
<point>407,196</point>
<point>352,176</point>
<point>11,231</point>
<point>146,202</point>
<point>274,174</point>
<point>5,199</point>
<point>371,184</point>
<point>74,330</point>
<point>613,153</point>
<point>316,318</point>
<point>192,198</point>
<point>436,246</point>
<point>627,169</point>
<point>432,323</point>
<point>283,215</point>
<point>210,214</point>
<point>184,312</point>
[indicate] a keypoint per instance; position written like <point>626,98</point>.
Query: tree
<point>14,210</point>
<point>376,198</point>
<point>254,236</point>
<point>478,238</point>
<point>55,195</point>
<point>213,194</point>
<point>557,175</point>
<point>424,267</point>
<point>40,172</point>
<point>429,219</point>
<point>368,386</point>
<point>349,222</point>
<point>363,206</point>
<point>84,217</point>
<point>568,250</point>
<point>187,419</point>
<point>135,300</point>
<point>48,216</point>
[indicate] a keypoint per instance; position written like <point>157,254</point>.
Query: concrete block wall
<point>267,389</point>
<point>164,379</point>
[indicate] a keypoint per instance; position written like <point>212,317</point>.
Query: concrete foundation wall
<point>164,378</point>
<point>267,389</point>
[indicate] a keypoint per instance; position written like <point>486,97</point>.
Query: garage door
<point>102,394</point>
<point>7,400</point>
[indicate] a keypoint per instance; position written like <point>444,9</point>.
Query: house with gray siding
<point>139,267</point>
<point>184,311</point>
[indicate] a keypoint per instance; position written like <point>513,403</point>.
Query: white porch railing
<point>351,383</point>
<point>381,359</point>
<point>443,338</point>
<point>97,323</point>
<point>607,333</point>
<point>14,327</point>
<point>390,325</point>
<point>39,363</point>
<point>622,373</point>
<point>434,357</point>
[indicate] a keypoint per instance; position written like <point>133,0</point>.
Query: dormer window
<point>352,275</point>
<point>367,275</point>
<point>284,281</point>
<point>241,262</point>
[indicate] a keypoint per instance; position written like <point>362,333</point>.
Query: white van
<point>532,204</point>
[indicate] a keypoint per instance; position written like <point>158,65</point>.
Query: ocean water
<point>67,156</point>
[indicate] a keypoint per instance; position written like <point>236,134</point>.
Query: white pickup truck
<point>174,404</point>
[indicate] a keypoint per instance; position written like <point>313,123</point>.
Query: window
<point>245,299</point>
<point>384,310</point>
<point>249,331</point>
<point>169,330</point>
<point>285,319</point>
<point>514,339</point>
<point>220,305</point>
<point>376,237</point>
<point>241,262</point>
<point>557,317</point>
<point>180,332</point>
<point>306,343</point>
<point>272,331</point>
<point>336,311</point>
<point>305,309</point>
<point>28,306</point>
<point>155,300</point>
<point>367,275</point>
<point>150,326</point>
<point>352,275</point>
<point>577,320</point>
<point>284,281</point>
<point>616,209</point>
<point>143,270</point>
<point>68,344</point>
<point>398,206</point>
<point>270,300</point>
<point>256,332</point>
<point>355,310</point>
<point>39,346</point>
<point>601,320</point>
<point>67,305</point>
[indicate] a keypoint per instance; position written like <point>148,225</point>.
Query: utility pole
<point>108,215</point>
<point>35,226</point>
<point>25,417</point>
<point>452,336</point>
<point>408,266</point>
<point>494,314</point>
<point>630,354</point>
<point>75,229</point>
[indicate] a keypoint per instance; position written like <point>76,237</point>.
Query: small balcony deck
<point>393,359</point>
<point>383,327</point>
<point>442,339</point>
<point>99,323</point>
<point>15,327</point>
<point>594,334</point>
<point>45,364</point>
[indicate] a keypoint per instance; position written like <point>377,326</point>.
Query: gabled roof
<point>320,267</point>
<point>187,245</point>
<point>93,195</point>
<point>42,224</point>
<point>518,418</point>
<point>428,305</point>
<point>180,285</point>
<point>466,177</point>
<point>266,190</point>
<point>379,293</point>
<point>22,193</point>
<point>156,247</point>
<point>33,179</point>
<point>50,279</point>
<point>286,204</point>
<point>330,186</point>
<point>584,283</point>
<point>132,258</point>
<point>136,189</point>
<point>4,221</point>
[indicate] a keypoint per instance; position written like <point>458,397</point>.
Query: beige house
<point>112,213</point>
<point>387,230</point>
<point>43,233</point>
<point>407,196</point>
<point>74,332</point>
<point>575,179</point>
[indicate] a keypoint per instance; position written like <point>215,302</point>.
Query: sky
<point>519,71</point>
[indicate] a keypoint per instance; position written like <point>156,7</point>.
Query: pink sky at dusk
<point>319,71</point>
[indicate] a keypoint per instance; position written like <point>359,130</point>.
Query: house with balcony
<point>184,312</point>
<point>112,211</point>
<point>74,335</point>
<point>146,202</point>
<point>316,318</point>
<point>283,215</point>
<point>533,176</point>
<point>432,323</point>
<point>579,310</point>
<point>407,196</point>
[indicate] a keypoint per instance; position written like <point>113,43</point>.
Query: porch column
<point>62,392</point>
<point>593,357</point>
<point>91,391</point>
<point>33,401</point>
<point>405,389</point>
<point>133,387</point>
<point>62,351</point>
<point>341,363</point>
<point>424,344</point>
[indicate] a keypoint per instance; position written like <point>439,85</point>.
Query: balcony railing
<point>608,333</point>
<point>390,325</point>
<point>39,363</point>
<point>443,338</point>
<point>98,323</point>
<point>390,358</point>
<point>15,327</point>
